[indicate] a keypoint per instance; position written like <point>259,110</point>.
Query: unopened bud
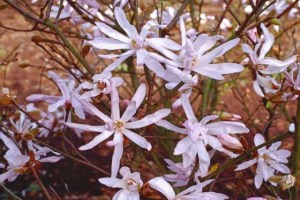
<point>85,50</point>
<point>275,21</point>
<point>227,116</point>
<point>230,142</point>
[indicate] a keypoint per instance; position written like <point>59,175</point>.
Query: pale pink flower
<point>268,83</point>
<point>199,134</point>
<point>130,185</point>
<point>102,83</point>
<point>268,161</point>
<point>120,126</point>
<point>67,100</point>
<point>192,193</point>
<point>273,66</point>
<point>182,174</point>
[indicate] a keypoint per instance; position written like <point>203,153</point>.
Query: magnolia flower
<point>131,184</point>
<point>273,65</point>
<point>199,134</point>
<point>134,42</point>
<point>102,83</point>
<point>182,174</point>
<point>192,193</point>
<point>196,55</point>
<point>120,126</point>
<point>67,99</point>
<point>291,81</point>
<point>15,159</point>
<point>268,161</point>
<point>268,83</point>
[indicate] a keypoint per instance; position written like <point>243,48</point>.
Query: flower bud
<point>230,142</point>
<point>227,116</point>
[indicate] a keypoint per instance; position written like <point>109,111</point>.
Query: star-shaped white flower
<point>120,125</point>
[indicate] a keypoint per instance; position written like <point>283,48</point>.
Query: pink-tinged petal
<point>117,81</point>
<point>115,100</point>
<point>42,97</point>
<point>112,33</point>
<point>141,55</point>
<point>110,182</point>
<point>50,159</point>
<point>53,107</point>
<point>226,127</point>
<point>188,108</point>
<point>118,62</point>
<point>124,23</point>
<point>246,164</point>
<point>149,119</point>
<point>129,112</point>
<point>281,155</point>
<point>6,175</point>
<point>208,118</point>
<point>117,155</point>
<point>275,146</point>
<point>204,159</point>
<point>257,89</point>
<point>258,180</point>
<point>276,66</point>
<point>137,139</point>
<point>268,41</point>
<point>209,73</point>
<point>61,84</point>
<point>86,127</point>
<point>108,44</point>
<point>167,125</point>
<point>256,198</point>
<point>279,167</point>
<point>231,142</point>
<point>92,109</point>
<point>258,139</point>
<point>166,43</point>
<point>189,156</point>
<point>97,140</point>
<point>87,85</point>
<point>182,146</point>
<point>163,187</point>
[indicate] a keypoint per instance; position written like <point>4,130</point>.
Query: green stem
<point>206,90</point>
<point>296,151</point>
<point>69,46</point>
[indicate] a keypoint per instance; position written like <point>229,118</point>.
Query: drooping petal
<point>204,159</point>
<point>97,140</point>
<point>137,139</point>
<point>117,155</point>
<point>163,187</point>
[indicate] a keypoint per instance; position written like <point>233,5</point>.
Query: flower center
<point>118,126</point>
<point>102,85</point>
<point>133,185</point>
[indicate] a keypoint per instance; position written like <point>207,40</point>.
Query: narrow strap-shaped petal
<point>108,43</point>
<point>204,159</point>
<point>268,41</point>
<point>246,164</point>
<point>167,125</point>
<point>129,112</point>
<point>182,146</point>
<point>149,119</point>
<point>137,139</point>
<point>107,30</point>
<point>124,23</point>
<point>139,95</point>
<point>117,62</point>
<point>61,84</point>
<point>110,182</point>
<point>97,140</point>
<point>117,155</point>
<point>115,108</point>
<point>86,127</point>
<point>92,109</point>
<point>187,107</point>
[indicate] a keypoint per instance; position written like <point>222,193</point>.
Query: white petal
<point>110,182</point>
<point>129,112</point>
<point>117,155</point>
<point>97,140</point>
<point>167,125</point>
<point>108,44</point>
<point>61,84</point>
<point>92,109</point>
<point>149,119</point>
<point>125,25</point>
<point>86,127</point>
<point>246,164</point>
<point>139,95</point>
<point>204,159</point>
<point>112,33</point>
<point>163,187</point>
<point>137,139</point>
<point>188,108</point>
<point>182,146</point>
<point>115,108</point>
